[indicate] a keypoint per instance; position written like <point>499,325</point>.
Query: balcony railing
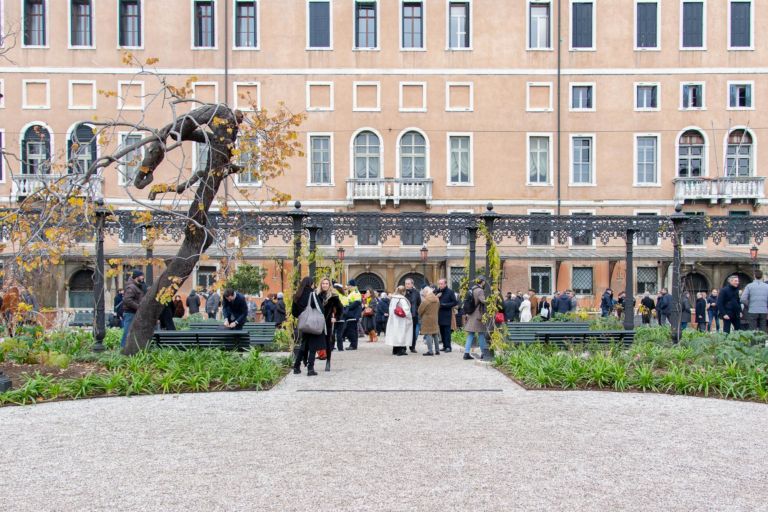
<point>723,189</point>
<point>383,189</point>
<point>24,185</point>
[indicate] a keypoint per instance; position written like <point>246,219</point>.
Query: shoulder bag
<point>312,320</point>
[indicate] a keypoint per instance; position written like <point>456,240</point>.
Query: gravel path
<point>389,434</point>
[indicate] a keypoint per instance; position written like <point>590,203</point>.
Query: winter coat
<point>369,322</point>
<point>606,304</point>
<point>178,309</point>
<point>664,305</point>
<point>414,299</point>
<point>309,341</point>
<point>119,307</point>
<point>755,296</point>
<point>561,304</point>
<point>428,312</point>
<point>475,320</point>
<point>236,310</point>
<point>280,312</point>
<point>212,303</point>
<point>166,318</point>
<point>701,310</point>
<point>534,300</point>
<point>545,310</point>
<point>511,309</point>
<point>399,329</point>
<point>685,309</point>
<point>448,301</point>
<point>728,302</point>
<point>193,302</point>
<point>354,309</point>
<point>525,311</point>
<point>648,303</point>
<point>382,310</point>
<point>332,308</point>
<point>134,292</point>
<point>712,304</point>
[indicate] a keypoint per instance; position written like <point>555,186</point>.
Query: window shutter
<point>740,22</point>
<point>693,20</point>
<point>646,25</point>
<point>748,90</point>
<point>733,96</point>
<point>582,25</point>
<point>319,25</point>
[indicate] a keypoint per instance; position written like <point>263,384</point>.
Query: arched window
<point>81,148</point>
<point>418,280</point>
<point>413,156</point>
<point>695,283</point>
<point>81,289</point>
<point>739,154</point>
<point>36,150</point>
<point>369,281</point>
<point>690,155</point>
<point>367,155</point>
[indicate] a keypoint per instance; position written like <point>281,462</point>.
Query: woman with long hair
<point>329,300</point>
<point>309,343</point>
<point>370,301</point>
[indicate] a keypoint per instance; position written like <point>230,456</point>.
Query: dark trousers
<point>350,332</point>
<point>212,316</point>
<point>445,335</point>
<point>339,333</point>
<point>734,321</point>
<point>303,354</point>
<point>415,332</point>
<point>757,321</point>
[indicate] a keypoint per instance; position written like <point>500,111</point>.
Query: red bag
<point>399,311</point>
<point>499,317</point>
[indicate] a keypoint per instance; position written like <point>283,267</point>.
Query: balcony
<point>24,185</point>
<point>720,190</point>
<point>384,189</point>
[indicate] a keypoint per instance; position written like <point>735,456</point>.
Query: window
<point>541,280</point>
<point>249,160</point>
<point>367,156</point>
<point>582,25</point>
<point>458,25</point>
<point>81,149</point>
<point>540,236</point>
<point>368,232</point>
<point>412,236</point>
<point>694,233</point>
<point>647,154</point>
<point>538,160</point>
<point>365,24</point>
<point>413,25</point>
<point>582,97</point>
<point>204,24</point>
<point>245,24</point>
<point>319,24</point>
<point>740,96</point>
<point>132,234</point>
<point>738,235</point>
<point>34,23</point>
<point>130,23</point>
<point>690,155</point>
<point>646,238</point>
<point>583,236</point>
<point>36,150</point>
<point>693,96</point>
<point>206,278</point>
<point>739,154</point>
<point>458,274</point>
<point>582,163</point>
<point>740,36</point>
<point>539,26</point>
<point>413,156</point>
<point>459,236</point>
<point>581,280</point>
<point>460,160</point>
<point>320,171</point>
<point>202,156</point>
<point>647,280</point>
<point>130,163</point>
<point>81,23</point>
<point>646,97</point>
<point>647,28</point>
<point>693,25</point>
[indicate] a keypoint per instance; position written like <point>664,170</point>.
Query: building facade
<point>543,107</point>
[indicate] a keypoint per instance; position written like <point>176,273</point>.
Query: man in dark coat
<point>193,302</point>
<point>414,299</point>
<point>118,308</point>
<point>280,311</point>
<point>509,305</point>
<point>561,304</point>
<point>448,301</point>
<point>235,310</point>
<point>701,312</point>
<point>664,307</point>
<point>606,303</point>
<point>268,309</point>
<point>382,314</point>
<point>134,292</point>
<point>729,305</point>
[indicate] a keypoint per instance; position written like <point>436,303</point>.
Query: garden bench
<point>260,333</point>
<point>82,319</point>
<point>221,339</point>
<point>564,338</point>
<point>531,332</point>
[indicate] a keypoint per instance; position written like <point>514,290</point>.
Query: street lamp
<point>99,329</point>
<point>424,256</point>
<point>340,253</point>
<point>753,254</point>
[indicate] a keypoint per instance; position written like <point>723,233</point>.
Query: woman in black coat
<point>329,300</point>
<point>701,312</point>
<point>310,343</point>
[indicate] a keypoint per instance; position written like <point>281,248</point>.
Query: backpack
<point>469,302</point>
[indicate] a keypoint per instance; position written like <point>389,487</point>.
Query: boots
<point>328,361</point>
<point>372,336</point>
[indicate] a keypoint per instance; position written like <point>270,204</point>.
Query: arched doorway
<point>81,289</point>
<point>695,283</point>
<point>744,279</point>
<point>418,280</point>
<point>369,280</point>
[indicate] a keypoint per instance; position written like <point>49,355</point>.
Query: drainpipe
<point>559,93</point>
<point>226,81</point>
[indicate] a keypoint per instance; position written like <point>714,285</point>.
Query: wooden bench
<point>260,333</point>
<point>564,338</point>
<point>221,339</point>
<point>531,332</point>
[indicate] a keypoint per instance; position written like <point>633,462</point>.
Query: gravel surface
<point>386,433</point>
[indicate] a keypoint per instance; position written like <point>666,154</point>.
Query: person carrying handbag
<point>311,326</point>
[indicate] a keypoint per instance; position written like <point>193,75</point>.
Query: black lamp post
<point>340,253</point>
<point>753,254</point>
<point>99,329</point>
<point>424,256</point>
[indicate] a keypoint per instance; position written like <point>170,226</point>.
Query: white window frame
<point>330,159</point>
<point>92,46</point>
<point>448,182</point>
<point>352,150</point>
<point>448,27</point>
<point>2,24</point>
<point>728,132</point>
<point>528,86</point>
<point>309,85</point>
<point>423,26</point>
<point>637,85</point>
<point>550,158</point>
<point>258,95</point>
<point>703,46</point>
<point>25,104</point>
<point>121,177</point>
<point>51,135</point>
<point>635,182</point>
<point>751,46</point>
<point>594,237</point>
<point>355,107</point>
<point>658,238</point>
<point>593,47</point>
<point>142,31</point>
<point>398,170</point>
<point>750,83</point>
<point>71,95</point>
<point>703,96</point>
<point>705,156</point>
<point>656,48</point>
<point>206,83</point>
<point>258,28</point>
<point>594,285</point>
<point>593,182</point>
<point>251,184</point>
<point>377,6</point>
<point>215,27</point>
<point>69,133</point>
<point>47,22</point>
<point>528,46</point>
<point>330,27</point>
<point>120,84</point>
<point>423,108</point>
<point>552,276</point>
<point>134,244</point>
<point>551,238</point>
<point>470,108</point>
<point>197,271</point>
<point>593,85</point>
<point>195,145</point>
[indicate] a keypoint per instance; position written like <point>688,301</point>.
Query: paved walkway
<point>389,434</point>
